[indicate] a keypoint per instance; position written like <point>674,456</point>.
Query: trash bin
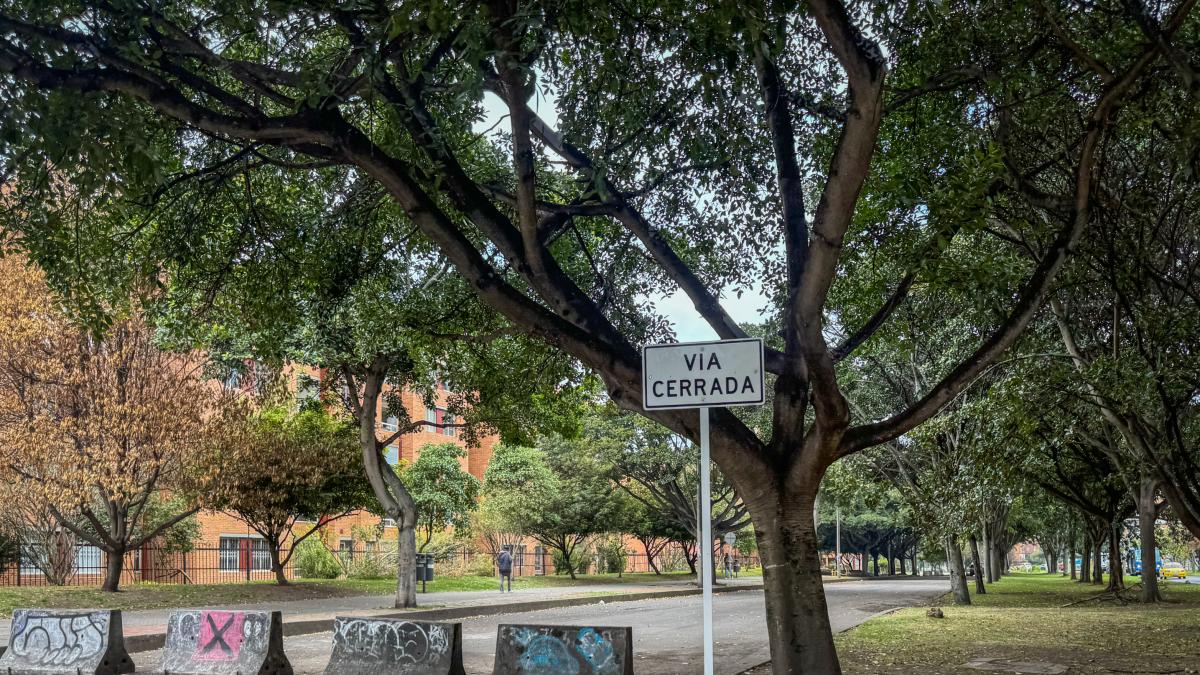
<point>424,567</point>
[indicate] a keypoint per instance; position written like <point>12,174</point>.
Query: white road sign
<point>730,538</point>
<point>702,374</point>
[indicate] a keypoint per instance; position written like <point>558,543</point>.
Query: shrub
<point>580,561</point>
<point>612,555</point>
<point>372,565</point>
<point>476,565</point>
<point>314,561</point>
<point>481,565</point>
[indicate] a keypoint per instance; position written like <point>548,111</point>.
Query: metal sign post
<point>706,539</point>
<point>703,375</point>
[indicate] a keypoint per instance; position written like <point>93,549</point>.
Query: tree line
<point>984,176</point>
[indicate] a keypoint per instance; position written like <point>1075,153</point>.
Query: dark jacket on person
<point>504,562</point>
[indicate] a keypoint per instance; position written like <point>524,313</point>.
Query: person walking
<point>504,563</point>
<point>728,566</point>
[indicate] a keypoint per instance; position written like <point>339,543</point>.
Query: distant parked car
<point>1173,570</point>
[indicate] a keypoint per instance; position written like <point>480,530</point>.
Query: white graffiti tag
<point>60,640</point>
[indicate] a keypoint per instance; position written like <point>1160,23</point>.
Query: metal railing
<point>250,561</point>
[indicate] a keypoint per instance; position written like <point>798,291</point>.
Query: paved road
<point>666,632</point>
<point>143,621</point>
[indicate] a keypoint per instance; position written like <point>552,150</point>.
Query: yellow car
<point>1173,570</point>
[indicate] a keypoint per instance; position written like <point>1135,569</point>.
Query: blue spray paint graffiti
<point>596,651</point>
<point>544,655</point>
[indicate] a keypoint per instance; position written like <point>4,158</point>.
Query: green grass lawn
<point>159,596</point>
<point>1022,617</point>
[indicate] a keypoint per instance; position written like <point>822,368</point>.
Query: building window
<point>239,554</point>
<point>260,555</point>
<point>87,560</point>
<point>231,554</point>
<point>29,559</point>
<point>391,423</point>
<point>431,415</point>
<point>392,454</point>
<point>448,420</point>
<point>307,389</point>
<point>346,549</point>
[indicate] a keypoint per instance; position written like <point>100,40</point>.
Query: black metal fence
<point>248,560</point>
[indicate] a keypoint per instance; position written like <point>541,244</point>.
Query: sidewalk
<point>146,627</point>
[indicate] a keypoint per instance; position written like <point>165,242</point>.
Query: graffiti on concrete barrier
<point>218,641</point>
<point>597,651</point>
<point>220,636</point>
<point>50,639</point>
<point>544,654</point>
<point>565,650</point>
<point>390,642</point>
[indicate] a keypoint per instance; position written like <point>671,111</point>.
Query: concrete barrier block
<point>563,650</point>
<point>66,641</point>
<point>216,642</point>
<point>369,646</point>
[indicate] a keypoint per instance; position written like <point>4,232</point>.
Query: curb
<point>151,641</point>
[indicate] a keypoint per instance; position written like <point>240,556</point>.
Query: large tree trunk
<point>113,568</point>
<point>979,587</point>
<point>406,566</point>
<point>875,562</point>
<point>1097,564</point>
<point>913,560</point>
<point>797,617</point>
<point>1085,561</point>
<point>986,570</point>
<point>1116,578</point>
<point>958,574</point>
<point>277,563</point>
<point>1051,561</point>
<point>1071,557</point>
<point>997,558</point>
<point>388,489</point>
<point>1147,513</point>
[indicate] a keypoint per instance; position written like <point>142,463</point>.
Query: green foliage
<point>283,463</point>
<point>370,565</point>
<point>612,555</point>
<point>314,561</point>
<point>445,494</point>
<point>572,562</point>
<point>517,482</point>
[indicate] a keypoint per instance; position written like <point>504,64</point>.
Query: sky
<point>689,326</point>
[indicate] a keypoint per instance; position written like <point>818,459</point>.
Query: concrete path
<point>666,631</point>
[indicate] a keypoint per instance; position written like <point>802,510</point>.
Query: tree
<point>393,96</point>
<point>661,470</point>
<point>516,481</point>
<point>96,425</point>
<point>557,494</point>
<point>280,466</point>
<point>44,542</point>
<point>445,495</point>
